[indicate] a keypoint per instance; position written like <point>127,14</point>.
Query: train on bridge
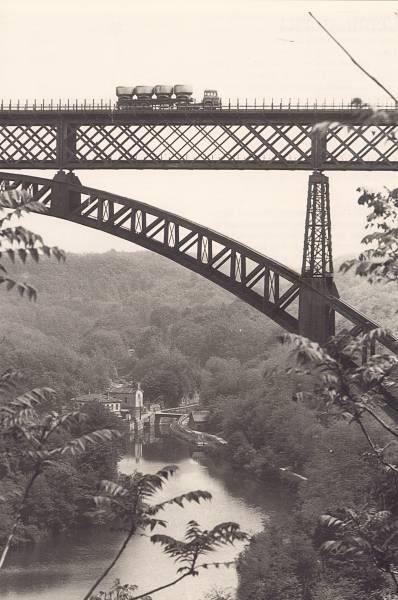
<point>164,97</point>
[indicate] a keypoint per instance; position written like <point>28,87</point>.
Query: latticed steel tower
<point>317,255</point>
<point>316,317</point>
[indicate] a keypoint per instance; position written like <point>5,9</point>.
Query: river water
<point>64,568</point>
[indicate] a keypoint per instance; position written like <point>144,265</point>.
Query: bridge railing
<point>79,105</point>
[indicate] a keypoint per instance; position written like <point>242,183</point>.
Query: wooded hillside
<point>144,317</point>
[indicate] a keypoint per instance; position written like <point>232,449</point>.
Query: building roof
<point>89,398</point>
<point>103,398</point>
<point>107,400</point>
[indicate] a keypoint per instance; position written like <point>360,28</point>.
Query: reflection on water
<point>63,568</point>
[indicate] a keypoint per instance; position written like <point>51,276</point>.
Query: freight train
<point>164,96</point>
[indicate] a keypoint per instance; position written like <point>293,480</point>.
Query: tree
<point>38,436</point>
<point>32,433</point>
<point>379,262</point>
<point>36,439</point>
<point>166,376</point>
<point>367,538</point>
<point>220,377</point>
<point>280,565</point>
<point>351,393</point>
<point>17,242</point>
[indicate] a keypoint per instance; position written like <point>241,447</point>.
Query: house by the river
<point>123,399</point>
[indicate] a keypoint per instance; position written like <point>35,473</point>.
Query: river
<point>63,569</point>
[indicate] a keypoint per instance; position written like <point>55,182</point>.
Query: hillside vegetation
<point>135,314</point>
<point>142,317</point>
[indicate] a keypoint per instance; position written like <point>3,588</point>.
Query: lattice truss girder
<point>225,143</point>
<point>33,143</point>
<point>373,144</point>
<point>260,281</point>
<point>285,145</point>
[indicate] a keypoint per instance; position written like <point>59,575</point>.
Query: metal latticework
<point>374,146</point>
<point>31,143</point>
<point>262,282</point>
<point>216,144</point>
<point>317,255</point>
<point>218,139</point>
<point>258,280</point>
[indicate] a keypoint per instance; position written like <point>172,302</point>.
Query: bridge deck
<point>234,137</point>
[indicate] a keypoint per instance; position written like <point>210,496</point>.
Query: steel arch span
<point>267,285</point>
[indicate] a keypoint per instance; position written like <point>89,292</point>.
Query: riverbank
<point>59,499</point>
<point>65,567</point>
<point>270,429</point>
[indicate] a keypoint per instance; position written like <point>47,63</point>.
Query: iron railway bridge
<point>68,137</point>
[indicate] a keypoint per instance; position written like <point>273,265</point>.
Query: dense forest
<point>132,314</point>
<point>138,315</point>
<point>141,317</point>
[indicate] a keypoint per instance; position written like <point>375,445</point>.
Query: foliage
<point>166,376</point>
<point>38,442</point>
<point>16,242</point>
<point>35,440</point>
<point>368,537</point>
<point>100,460</point>
<point>197,543</point>
<point>138,313</point>
<point>265,429</point>
<point>379,262</point>
<point>345,389</point>
<point>218,594</point>
<point>55,341</point>
<point>322,418</point>
<point>365,535</point>
<point>119,591</point>
<point>131,314</point>
<point>129,503</point>
<point>280,564</point>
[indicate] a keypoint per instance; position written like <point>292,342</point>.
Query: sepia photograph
<point>199,300</point>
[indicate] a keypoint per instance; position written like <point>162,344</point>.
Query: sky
<point>244,49</point>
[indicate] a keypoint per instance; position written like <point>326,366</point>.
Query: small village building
<point>113,405</point>
<point>130,397</point>
<point>128,394</point>
<point>125,400</point>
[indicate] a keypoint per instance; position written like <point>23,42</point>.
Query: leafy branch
<point>346,389</point>
<point>361,537</point>
<point>127,502</point>
<point>350,392</point>
<point>19,243</point>
<point>21,420</point>
<point>379,262</point>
